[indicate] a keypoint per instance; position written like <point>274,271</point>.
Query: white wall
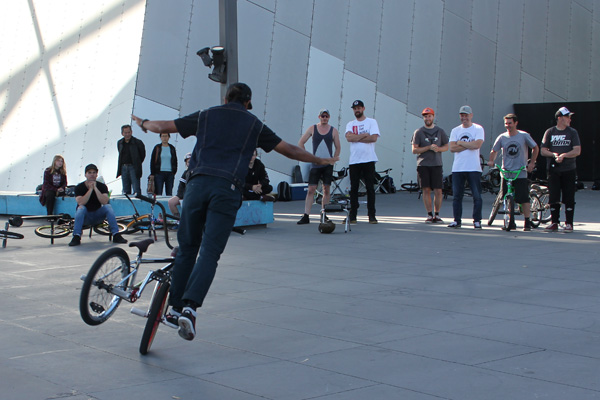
<point>70,83</point>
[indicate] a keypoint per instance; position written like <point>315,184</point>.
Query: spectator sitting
<point>257,185</point>
<point>92,207</point>
<point>55,182</point>
<point>176,200</point>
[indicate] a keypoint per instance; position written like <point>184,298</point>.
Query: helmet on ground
<point>326,227</point>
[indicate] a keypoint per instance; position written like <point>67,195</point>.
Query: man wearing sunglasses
<point>324,138</point>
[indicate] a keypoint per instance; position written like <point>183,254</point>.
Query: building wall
<point>398,56</point>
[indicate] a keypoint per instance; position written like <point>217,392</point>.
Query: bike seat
<point>142,245</point>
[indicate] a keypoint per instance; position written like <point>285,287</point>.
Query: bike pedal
<point>82,277</point>
<point>139,312</point>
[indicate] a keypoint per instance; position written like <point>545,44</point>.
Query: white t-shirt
<point>362,152</point>
<point>467,160</point>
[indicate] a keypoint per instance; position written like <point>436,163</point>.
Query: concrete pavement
<point>398,310</point>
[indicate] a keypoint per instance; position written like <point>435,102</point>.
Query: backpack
<point>388,185</point>
<point>297,175</point>
<point>284,191</point>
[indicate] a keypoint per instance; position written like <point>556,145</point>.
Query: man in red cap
<point>428,143</point>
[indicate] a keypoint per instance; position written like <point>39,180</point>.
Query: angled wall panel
<point>557,60</point>
<point>534,38</point>
<point>595,64</point>
<point>329,26</point>
<point>424,59</point>
<point>580,53</point>
<point>510,32</point>
<point>296,15</point>
<point>394,58</point>
<point>363,38</point>
<point>485,19</point>
<point>531,89</point>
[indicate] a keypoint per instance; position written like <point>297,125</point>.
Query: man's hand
<point>559,157</point>
<point>530,166</point>
<point>434,147</point>
<point>90,185</point>
<point>490,163</point>
<point>257,188</point>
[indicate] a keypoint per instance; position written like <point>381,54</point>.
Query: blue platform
<point>12,203</point>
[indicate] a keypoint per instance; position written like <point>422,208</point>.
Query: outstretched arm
<point>155,126</point>
<point>296,153</point>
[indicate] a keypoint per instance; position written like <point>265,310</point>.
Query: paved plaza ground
<point>398,310</point>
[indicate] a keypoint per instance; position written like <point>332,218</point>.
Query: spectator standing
<point>163,165</point>
<point>362,134</point>
<point>324,138</point>
<point>560,146</point>
<point>132,153</point>
<point>428,143</point>
<point>465,142</point>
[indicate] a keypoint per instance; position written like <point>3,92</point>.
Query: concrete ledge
<point>12,203</point>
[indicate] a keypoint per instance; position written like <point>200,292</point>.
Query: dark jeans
<point>129,179</point>
<point>85,217</point>
<point>166,179</point>
<point>207,218</point>
<point>367,172</point>
<point>562,184</point>
<point>50,197</point>
<point>458,191</point>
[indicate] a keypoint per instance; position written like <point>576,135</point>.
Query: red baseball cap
<point>428,111</point>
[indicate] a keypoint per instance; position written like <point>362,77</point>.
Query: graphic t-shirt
<point>560,142</point>
<point>424,137</point>
<point>467,160</point>
<point>362,152</point>
<point>514,151</point>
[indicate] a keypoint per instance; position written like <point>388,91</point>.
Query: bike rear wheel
<point>536,210</point>
<point>158,308</point>
<point>545,214</point>
<point>509,213</point>
<point>59,231</point>
<point>10,235</point>
<point>96,303</point>
<point>495,208</point>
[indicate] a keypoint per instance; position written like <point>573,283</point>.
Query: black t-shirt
<point>93,203</point>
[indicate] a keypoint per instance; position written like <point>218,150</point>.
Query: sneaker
<point>372,220</point>
<point>76,241</point>
<point>553,227</point>
<point>304,220</point>
<point>429,219</point>
<point>172,318</point>
<point>437,220</point>
<point>454,224</point>
<point>477,224</point>
<point>527,226</point>
<point>187,323</point>
<point>568,228</point>
<point>118,238</point>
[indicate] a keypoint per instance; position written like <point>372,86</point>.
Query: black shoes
<point>304,220</point>
<point>76,241</point>
<point>118,238</point>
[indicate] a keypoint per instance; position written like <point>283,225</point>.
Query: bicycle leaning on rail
<point>112,278</point>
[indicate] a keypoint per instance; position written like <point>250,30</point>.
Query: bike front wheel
<point>495,208</point>
<point>110,270</point>
<point>509,213</point>
<point>104,228</point>
<point>158,308</point>
<point>49,232</point>
<point>10,235</point>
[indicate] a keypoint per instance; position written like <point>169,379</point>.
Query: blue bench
<point>250,213</point>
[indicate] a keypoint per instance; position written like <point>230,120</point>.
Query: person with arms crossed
<point>560,146</point>
<point>514,145</point>
<point>465,142</point>
<point>324,138</point>
<point>362,134</point>
<point>226,137</point>
<point>428,143</point>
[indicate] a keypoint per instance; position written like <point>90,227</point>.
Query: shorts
<point>430,177</point>
<point>323,173</point>
<point>521,187</point>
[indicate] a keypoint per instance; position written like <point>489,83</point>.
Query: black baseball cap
<point>358,103</point>
<point>91,166</point>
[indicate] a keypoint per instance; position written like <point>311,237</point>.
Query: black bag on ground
<point>388,185</point>
<point>284,191</point>
<point>297,175</point>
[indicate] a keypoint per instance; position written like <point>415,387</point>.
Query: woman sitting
<point>55,182</point>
